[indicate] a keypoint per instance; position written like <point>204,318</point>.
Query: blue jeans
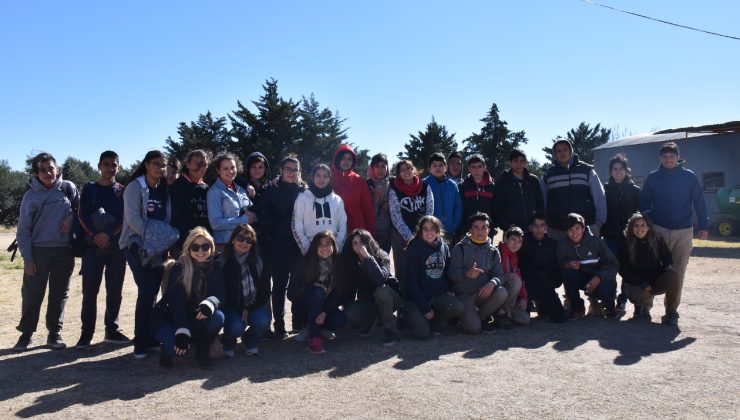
<point>575,281</point>
<point>198,328</point>
<point>259,324</point>
<point>147,281</point>
<point>313,301</point>
<point>93,263</point>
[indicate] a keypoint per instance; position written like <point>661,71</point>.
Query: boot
<point>202,349</point>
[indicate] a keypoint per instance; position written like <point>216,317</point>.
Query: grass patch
<point>717,243</point>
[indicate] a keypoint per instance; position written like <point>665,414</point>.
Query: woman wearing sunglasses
<point>188,192</point>
<point>247,290</point>
<point>193,296</point>
<point>275,211</point>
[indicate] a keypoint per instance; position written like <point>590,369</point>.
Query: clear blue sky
<point>80,77</point>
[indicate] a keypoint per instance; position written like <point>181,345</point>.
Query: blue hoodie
<point>42,212</point>
<point>668,196</point>
<point>447,202</point>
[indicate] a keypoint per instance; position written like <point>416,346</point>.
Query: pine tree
<point>78,171</point>
<point>584,139</point>
<point>321,132</point>
<point>14,185</point>
<point>434,139</point>
<point>494,141</point>
<point>207,133</point>
<point>273,130</point>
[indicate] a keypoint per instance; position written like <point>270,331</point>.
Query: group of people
<point>249,240</point>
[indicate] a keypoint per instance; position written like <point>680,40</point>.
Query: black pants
<point>548,303</point>
<point>93,263</point>
<point>283,256</point>
<point>53,267</point>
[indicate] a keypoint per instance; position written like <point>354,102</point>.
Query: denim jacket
<point>224,207</point>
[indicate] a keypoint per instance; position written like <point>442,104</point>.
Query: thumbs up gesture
<point>474,271</point>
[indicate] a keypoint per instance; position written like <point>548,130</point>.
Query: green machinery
<point>727,219</point>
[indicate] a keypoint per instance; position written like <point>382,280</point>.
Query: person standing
<point>189,196</point>
<point>228,203</point>
<point>477,194</point>
<point>350,186</point>
<point>101,216</point>
<point>572,186</point>
<point>44,224</point>
<point>455,167</point>
<point>518,193</point>
<point>447,202</point>
<point>668,196</point>
<point>379,183</point>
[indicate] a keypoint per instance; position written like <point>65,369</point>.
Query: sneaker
<point>646,314</point>
<point>487,327</point>
<point>328,334</point>
<point>670,319</point>
<point>622,303</point>
<point>390,339</point>
<point>279,332</point>
<point>140,353</point>
<point>595,310</point>
<point>116,337</point>
<point>366,330</point>
<point>84,341</point>
<point>575,315</point>
<point>252,352</point>
<point>23,342</point>
<point>55,342</point>
<point>165,360</point>
<point>229,353</point>
<point>502,322</point>
<point>316,345</point>
<point>301,336</point>
<point>637,315</point>
<point>436,329</point>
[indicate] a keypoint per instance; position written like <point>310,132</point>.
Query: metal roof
<point>650,138</point>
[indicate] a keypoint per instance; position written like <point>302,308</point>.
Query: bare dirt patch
<point>589,368</point>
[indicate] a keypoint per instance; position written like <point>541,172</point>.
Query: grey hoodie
<point>42,213</point>
<point>590,248</point>
<point>134,212</point>
<point>487,258</point>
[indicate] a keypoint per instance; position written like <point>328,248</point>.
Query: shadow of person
<point>638,340</point>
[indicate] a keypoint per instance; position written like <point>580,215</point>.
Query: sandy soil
<point>590,368</point>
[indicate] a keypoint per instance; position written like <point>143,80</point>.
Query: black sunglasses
<point>243,238</point>
<point>205,247</point>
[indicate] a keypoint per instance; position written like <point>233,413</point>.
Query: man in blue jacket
<point>447,202</point>
<point>668,195</point>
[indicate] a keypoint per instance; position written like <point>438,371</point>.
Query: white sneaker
<point>301,336</point>
<point>252,351</point>
<point>328,335</point>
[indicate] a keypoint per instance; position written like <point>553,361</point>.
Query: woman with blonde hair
<point>189,310</point>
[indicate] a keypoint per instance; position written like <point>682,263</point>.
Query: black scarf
<point>320,192</point>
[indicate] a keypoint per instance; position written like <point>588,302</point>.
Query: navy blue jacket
<point>669,195</point>
<point>426,272</point>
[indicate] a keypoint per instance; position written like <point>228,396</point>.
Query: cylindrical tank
<point>728,199</point>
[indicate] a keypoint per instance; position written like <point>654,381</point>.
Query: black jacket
<point>538,262</point>
<point>646,268</point>
<point>517,199</point>
<point>299,282</point>
<point>622,201</point>
<point>234,293</point>
<point>189,207</point>
<point>368,275</point>
<point>275,213</point>
<point>477,198</point>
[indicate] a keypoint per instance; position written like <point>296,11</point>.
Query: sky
<point>78,77</point>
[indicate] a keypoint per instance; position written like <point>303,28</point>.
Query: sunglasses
<point>202,247</point>
<point>247,239</point>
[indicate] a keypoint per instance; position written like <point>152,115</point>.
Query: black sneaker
<point>23,342</point>
<point>390,339</point>
<point>84,341</point>
<point>487,327</point>
<point>367,329</point>
<point>502,322</point>
<point>55,342</point>
<point>116,337</point>
<point>436,329</point>
<point>280,332</point>
<point>637,315</point>
<point>670,319</point>
<point>165,360</point>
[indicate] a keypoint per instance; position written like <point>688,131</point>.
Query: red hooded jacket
<point>510,263</point>
<point>352,188</point>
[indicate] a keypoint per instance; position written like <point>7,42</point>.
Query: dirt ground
<point>585,369</point>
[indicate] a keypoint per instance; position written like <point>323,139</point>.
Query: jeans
<point>445,307</point>
<point>385,302</point>
<point>575,281</point>
<point>259,324</point>
<point>53,267</point>
<point>283,258</point>
<point>147,281</point>
<point>204,329</point>
<point>313,302</point>
<point>93,263</point>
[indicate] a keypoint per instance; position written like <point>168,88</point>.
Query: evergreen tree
<point>78,171</point>
<point>207,133</point>
<point>495,141</point>
<point>321,132</point>
<point>13,184</point>
<point>435,138</point>
<point>584,139</point>
<point>273,130</point>
<point>535,168</point>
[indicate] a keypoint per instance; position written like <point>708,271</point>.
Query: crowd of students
<point>247,240</point>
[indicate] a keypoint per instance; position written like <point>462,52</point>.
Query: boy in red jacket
<point>352,188</point>
<point>510,261</point>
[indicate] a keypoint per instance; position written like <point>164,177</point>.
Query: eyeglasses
<point>291,170</point>
<point>202,247</point>
<point>247,239</point>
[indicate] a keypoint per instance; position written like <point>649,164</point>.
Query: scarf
<point>248,289</point>
<point>200,278</point>
<point>320,192</point>
<point>410,190</point>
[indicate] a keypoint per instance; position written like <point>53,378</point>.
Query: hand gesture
<point>360,250</point>
<point>486,290</point>
<point>101,240</point>
<point>429,315</point>
<point>251,216</point>
<point>474,271</point>
<point>251,192</point>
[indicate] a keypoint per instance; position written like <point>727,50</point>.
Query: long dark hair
<point>313,270</point>
<point>631,239</point>
<point>436,222</point>
<point>349,258</point>
<point>141,170</point>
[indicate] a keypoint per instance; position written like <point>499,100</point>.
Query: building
<point>712,152</point>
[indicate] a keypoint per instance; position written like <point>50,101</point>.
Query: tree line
<point>276,127</point>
